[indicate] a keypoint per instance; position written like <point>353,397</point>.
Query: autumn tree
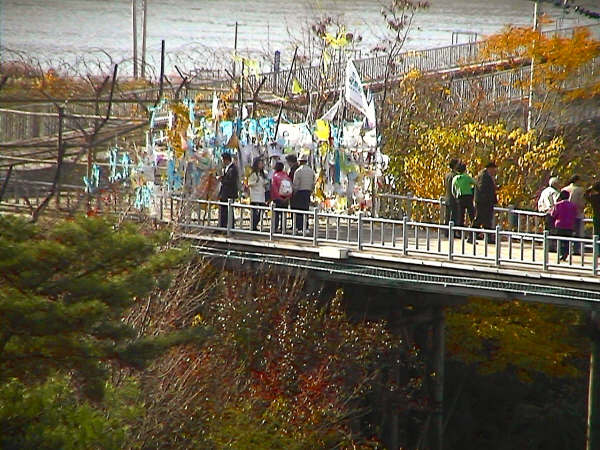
<point>63,293</point>
<point>563,66</point>
<point>283,368</point>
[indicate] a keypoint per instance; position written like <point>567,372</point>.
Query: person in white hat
<point>303,184</point>
<point>547,200</point>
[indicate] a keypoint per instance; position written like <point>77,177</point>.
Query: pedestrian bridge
<point>420,256</point>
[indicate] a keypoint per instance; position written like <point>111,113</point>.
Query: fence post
<point>272,226</point>
<point>443,207</point>
<point>595,254</point>
<point>450,240</point>
<point>405,235</point>
<point>498,245</point>
<point>513,219</point>
<point>229,216</point>
<point>315,225</point>
<point>408,213</point>
<point>545,250</point>
<point>359,236</point>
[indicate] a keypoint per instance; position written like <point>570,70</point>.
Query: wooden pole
<point>144,32</point>
<point>285,89</point>
<point>134,30</point>
<point>5,183</point>
<point>112,90</point>
<point>162,69</point>
<point>235,39</point>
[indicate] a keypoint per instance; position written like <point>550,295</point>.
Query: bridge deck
<point>504,256</point>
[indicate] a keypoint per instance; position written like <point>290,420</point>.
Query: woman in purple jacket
<point>564,213</point>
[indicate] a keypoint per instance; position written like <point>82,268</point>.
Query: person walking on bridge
<point>229,188</point>
<point>281,191</point>
<point>485,196</point>
<point>547,200</point>
<point>462,190</point>
<point>258,183</point>
<point>450,215</point>
<point>304,183</point>
<point>565,218</point>
<point>577,197</point>
<point>592,195</point>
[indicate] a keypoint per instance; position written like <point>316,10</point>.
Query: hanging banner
<point>330,115</point>
<point>355,95</point>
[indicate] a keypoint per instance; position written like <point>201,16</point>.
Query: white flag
<point>215,106</point>
<point>329,115</point>
<point>370,116</point>
<point>355,95</point>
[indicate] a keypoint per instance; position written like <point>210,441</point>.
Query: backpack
<point>285,188</point>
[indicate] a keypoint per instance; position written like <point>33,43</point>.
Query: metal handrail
<point>494,247</point>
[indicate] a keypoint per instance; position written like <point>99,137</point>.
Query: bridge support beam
<point>439,350</point>
<point>593,422</point>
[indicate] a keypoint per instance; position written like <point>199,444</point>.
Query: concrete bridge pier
<point>418,317</point>
<point>593,420</point>
<point>439,351</point>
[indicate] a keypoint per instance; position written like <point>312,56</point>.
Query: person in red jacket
<point>564,213</point>
<point>281,191</point>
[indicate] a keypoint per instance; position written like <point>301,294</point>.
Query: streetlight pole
<point>530,99</point>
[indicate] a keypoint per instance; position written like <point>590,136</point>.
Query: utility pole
<point>530,99</point>
<point>134,29</point>
<point>144,22</point>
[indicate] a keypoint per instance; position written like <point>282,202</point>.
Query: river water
<point>52,30</point>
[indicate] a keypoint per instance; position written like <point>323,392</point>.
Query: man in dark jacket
<point>292,161</point>
<point>449,198</point>
<point>485,197</point>
<point>229,188</point>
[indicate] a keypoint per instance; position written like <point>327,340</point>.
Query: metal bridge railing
<point>434,210</point>
<point>405,237</point>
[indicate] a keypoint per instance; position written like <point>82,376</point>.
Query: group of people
<point>473,197</point>
<point>564,209</point>
<point>291,188</point>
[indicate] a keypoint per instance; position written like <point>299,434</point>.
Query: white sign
<point>355,95</point>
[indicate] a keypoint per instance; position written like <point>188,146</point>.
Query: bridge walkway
<point>371,244</point>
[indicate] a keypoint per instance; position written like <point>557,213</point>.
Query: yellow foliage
<point>558,59</point>
<point>530,338</point>
<point>522,161</point>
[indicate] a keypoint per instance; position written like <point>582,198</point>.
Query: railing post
<point>450,240</point>
<point>315,225</point>
<point>498,245</point>
<point>513,219</point>
<point>443,207</point>
<point>359,236</point>
<point>272,226</point>
<point>595,254</point>
<point>229,216</point>
<point>405,235</point>
<point>545,250</point>
<point>409,207</point>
